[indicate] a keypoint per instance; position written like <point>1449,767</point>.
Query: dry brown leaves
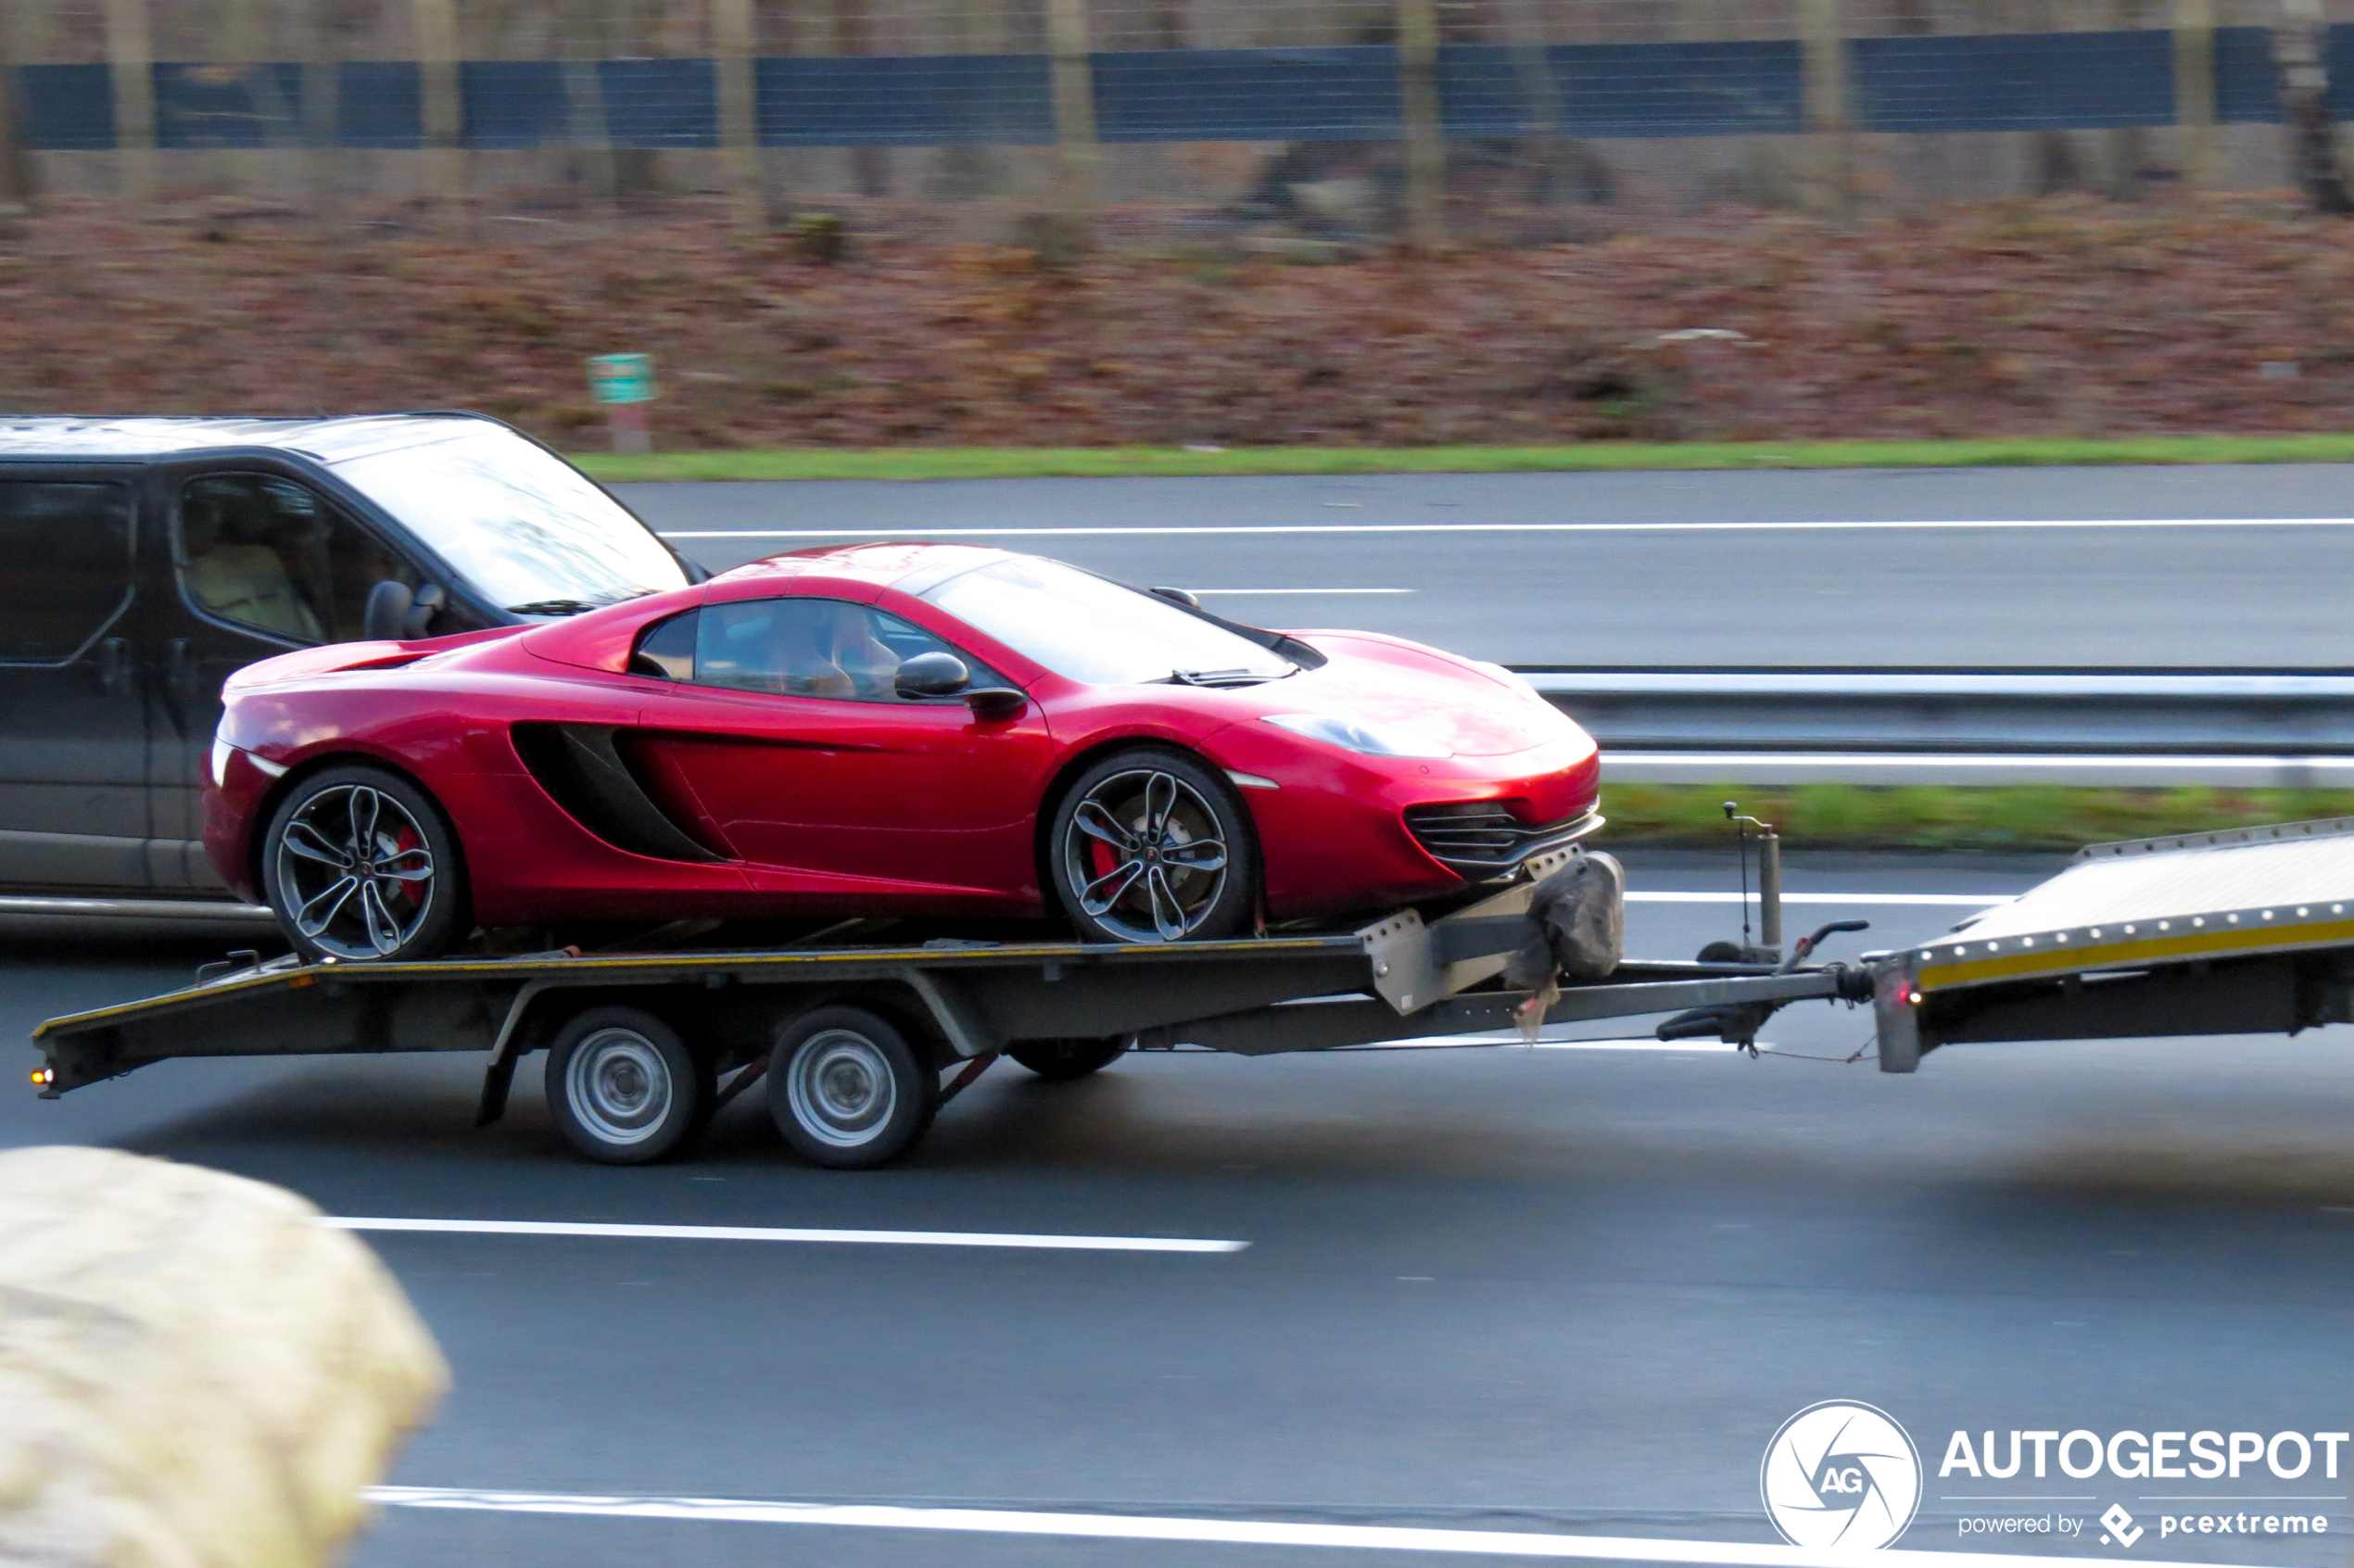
<point>2061,317</point>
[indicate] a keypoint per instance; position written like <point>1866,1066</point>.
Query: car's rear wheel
<point>360,864</point>
<point>1151,846</point>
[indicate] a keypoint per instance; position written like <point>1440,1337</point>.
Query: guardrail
<point>2291,728</point>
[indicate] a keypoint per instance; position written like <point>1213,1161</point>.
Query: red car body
<point>813,806</point>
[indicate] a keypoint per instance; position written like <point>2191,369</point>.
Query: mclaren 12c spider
<point>883,730</point>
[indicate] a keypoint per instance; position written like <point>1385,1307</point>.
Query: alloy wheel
<point>1147,856</point>
<point>355,872</point>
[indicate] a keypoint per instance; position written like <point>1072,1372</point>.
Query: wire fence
<point>1327,115</point>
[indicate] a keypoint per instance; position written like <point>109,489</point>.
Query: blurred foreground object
<point>194,1370</point>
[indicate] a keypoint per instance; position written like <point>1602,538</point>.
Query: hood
<point>1403,686</point>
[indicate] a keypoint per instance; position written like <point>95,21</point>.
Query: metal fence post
<point>130,61</point>
<point>1074,94</point>
<point>1418,99</point>
<point>322,110</point>
<point>732,37</point>
<point>441,103</point>
<point>2194,89</point>
<point>15,157</point>
<point>2305,103</point>
<point>1824,50</point>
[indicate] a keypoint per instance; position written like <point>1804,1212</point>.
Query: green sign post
<point>624,383</point>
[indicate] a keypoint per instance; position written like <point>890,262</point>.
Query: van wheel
<point>624,1088</point>
<point>361,863</point>
<point>847,1090</point>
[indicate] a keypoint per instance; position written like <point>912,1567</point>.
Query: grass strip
<point>1022,462</point>
<point>1941,818</point>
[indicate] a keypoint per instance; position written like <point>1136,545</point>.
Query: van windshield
<point>523,528</point>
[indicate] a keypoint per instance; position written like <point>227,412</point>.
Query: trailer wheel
<point>1056,1060</point>
<point>624,1087</point>
<point>847,1091</point>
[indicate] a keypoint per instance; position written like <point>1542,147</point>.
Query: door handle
<point>114,667</point>
<point>180,669</point>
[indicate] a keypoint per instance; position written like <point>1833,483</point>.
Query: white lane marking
<point>1488,1039</point>
<point>767,1233</point>
<point>1959,900</point>
<point>1320,592</point>
<point>1224,1532</point>
<point>1842,525</point>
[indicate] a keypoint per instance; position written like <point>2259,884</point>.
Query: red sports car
<point>880,730</point>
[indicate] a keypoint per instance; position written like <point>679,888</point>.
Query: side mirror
<point>931,675</point>
<point>385,619</point>
<point>996,702</point>
<point>1185,597</point>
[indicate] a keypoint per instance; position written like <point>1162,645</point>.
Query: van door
<point>259,564</point>
<point>73,726</point>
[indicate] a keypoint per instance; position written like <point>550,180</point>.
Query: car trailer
<point>2250,931</point>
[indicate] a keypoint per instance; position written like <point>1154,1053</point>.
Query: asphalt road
<point>1585,569</point>
<point>1538,1291</point>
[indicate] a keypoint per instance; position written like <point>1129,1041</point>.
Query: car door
<point>787,730</point>
<point>73,729</point>
<point>259,563</point>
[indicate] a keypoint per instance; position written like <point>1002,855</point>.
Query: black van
<point>143,560</point>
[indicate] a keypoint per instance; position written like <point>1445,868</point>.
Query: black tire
<point>343,861</point>
<point>625,1088</point>
<point>847,1090</point>
<point>1151,846</point>
<point>1058,1060</point>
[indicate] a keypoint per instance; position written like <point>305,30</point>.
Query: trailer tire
<point>847,1090</point>
<point>1060,1061</point>
<point>624,1089</point>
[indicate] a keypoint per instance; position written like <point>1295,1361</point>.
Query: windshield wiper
<point>1236,677</point>
<point>578,606</point>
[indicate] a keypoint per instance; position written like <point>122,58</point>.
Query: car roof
<point>894,565</point>
<point>325,440</point>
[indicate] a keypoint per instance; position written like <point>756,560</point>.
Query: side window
<point>810,647</point>
<point>666,650</point>
<point>271,554</point>
<point>65,566</point>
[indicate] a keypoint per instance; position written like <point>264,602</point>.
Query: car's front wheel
<point>360,864</point>
<point>1152,846</point>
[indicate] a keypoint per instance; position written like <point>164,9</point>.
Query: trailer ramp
<point>2249,931</point>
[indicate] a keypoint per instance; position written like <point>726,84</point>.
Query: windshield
<point>519,524</point>
<point>1082,627</point>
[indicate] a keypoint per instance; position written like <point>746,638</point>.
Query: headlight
<point>1355,735</point>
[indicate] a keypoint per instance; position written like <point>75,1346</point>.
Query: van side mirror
<point>1185,597</point>
<point>931,675</point>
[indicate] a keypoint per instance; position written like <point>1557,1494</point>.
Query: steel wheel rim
<point>841,1089</point>
<point>1146,856</point>
<point>619,1086</point>
<point>355,872</point>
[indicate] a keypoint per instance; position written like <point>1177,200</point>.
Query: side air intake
<point>580,765</point>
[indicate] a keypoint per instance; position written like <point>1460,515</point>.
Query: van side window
<point>271,554</point>
<point>65,566</point>
<point>667,649</point>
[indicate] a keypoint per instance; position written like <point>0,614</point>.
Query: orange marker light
<point>42,1076</point>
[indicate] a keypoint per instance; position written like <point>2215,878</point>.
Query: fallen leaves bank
<point>2062,317</point>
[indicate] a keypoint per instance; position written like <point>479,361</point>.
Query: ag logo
<point>1840,1475</point>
